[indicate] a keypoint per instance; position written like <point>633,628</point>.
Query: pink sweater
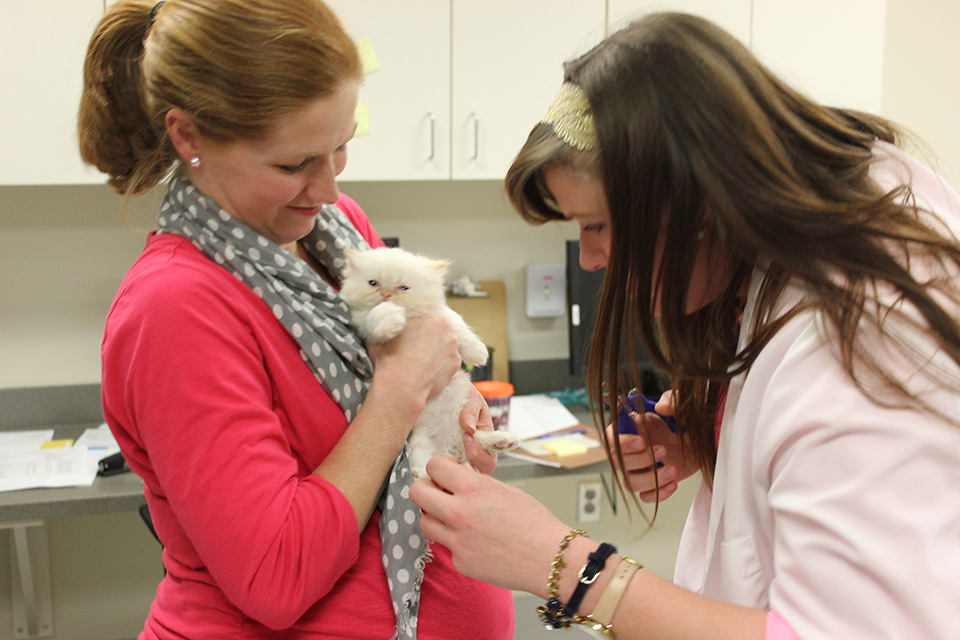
<point>215,409</point>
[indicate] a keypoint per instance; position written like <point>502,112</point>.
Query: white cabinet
<point>732,15</point>
<point>507,65</point>
<point>831,50</point>
<point>42,46</point>
<point>460,82</point>
<point>408,98</point>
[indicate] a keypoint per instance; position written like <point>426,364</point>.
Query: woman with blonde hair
<point>270,440</point>
<point>795,274</point>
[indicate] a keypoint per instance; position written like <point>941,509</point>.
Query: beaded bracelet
<point>552,614</point>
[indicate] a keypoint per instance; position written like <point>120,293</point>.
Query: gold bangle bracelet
<point>613,593</point>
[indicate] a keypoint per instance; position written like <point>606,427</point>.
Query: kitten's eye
<point>373,283</point>
<point>403,287</point>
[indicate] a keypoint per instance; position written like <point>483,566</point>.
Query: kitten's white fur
<point>384,287</point>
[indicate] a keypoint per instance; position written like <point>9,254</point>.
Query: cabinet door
<point>507,65</point>
<point>42,46</point>
<point>408,98</point>
<point>832,50</point>
<point>732,15</point>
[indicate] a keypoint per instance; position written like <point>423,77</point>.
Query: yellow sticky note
<point>368,59</point>
<point>562,448</point>
<point>57,444</point>
<point>362,116</point>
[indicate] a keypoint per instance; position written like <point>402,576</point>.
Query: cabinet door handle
<point>476,135</point>
<point>433,135</point>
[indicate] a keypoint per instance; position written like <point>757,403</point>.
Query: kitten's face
<point>381,275</point>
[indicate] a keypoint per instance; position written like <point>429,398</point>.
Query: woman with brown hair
<point>795,273</point>
<point>270,440</point>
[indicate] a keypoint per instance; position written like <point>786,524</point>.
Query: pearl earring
<point>195,162</point>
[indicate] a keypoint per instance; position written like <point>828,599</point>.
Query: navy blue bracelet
<point>597,560</point>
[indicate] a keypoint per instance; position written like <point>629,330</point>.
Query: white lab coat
<point>840,515</point>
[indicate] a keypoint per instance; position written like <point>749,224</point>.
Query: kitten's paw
<point>386,321</point>
<point>473,352</point>
<point>497,441</point>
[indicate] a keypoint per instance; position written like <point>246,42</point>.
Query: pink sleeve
<point>359,219</point>
<point>218,454</point>
<point>778,628</point>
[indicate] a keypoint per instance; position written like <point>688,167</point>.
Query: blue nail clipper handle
<point>625,423</point>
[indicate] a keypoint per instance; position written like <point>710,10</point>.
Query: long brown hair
<point>234,66</point>
<point>697,137</point>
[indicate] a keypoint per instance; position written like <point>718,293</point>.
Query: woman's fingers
<point>425,355</point>
<point>476,413</point>
<point>478,458</point>
<point>495,532</point>
<point>446,474</point>
<point>653,496</point>
<point>643,467</point>
<point>476,416</point>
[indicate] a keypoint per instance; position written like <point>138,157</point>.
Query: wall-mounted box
<point>546,290</point>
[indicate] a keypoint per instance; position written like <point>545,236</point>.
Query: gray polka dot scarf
<point>314,314</point>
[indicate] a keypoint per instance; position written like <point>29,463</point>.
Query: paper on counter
<point>69,467</point>
<point>25,465</point>
<point>574,442</point>
<point>99,438</point>
<point>14,441</point>
<point>537,415</point>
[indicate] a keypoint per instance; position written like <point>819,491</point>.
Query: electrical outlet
<point>588,502</point>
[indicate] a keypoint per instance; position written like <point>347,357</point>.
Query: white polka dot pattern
<point>309,309</point>
<point>406,549</point>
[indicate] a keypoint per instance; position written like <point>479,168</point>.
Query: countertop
<point>124,492</point>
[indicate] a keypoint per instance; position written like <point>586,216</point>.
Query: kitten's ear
<point>438,265</point>
<point>352,255</point>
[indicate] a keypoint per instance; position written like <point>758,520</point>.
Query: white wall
<point>63,251</point>
<point>921,77</point>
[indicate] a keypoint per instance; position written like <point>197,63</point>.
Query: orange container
<point>497,394</point>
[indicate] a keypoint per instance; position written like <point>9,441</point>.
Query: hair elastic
<point>153,12</point>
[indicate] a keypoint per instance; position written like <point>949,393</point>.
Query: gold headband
<point>571,118</point>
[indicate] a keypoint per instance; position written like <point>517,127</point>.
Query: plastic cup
<point>497,394</point>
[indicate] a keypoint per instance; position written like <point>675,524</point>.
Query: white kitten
<point>384,287</point>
